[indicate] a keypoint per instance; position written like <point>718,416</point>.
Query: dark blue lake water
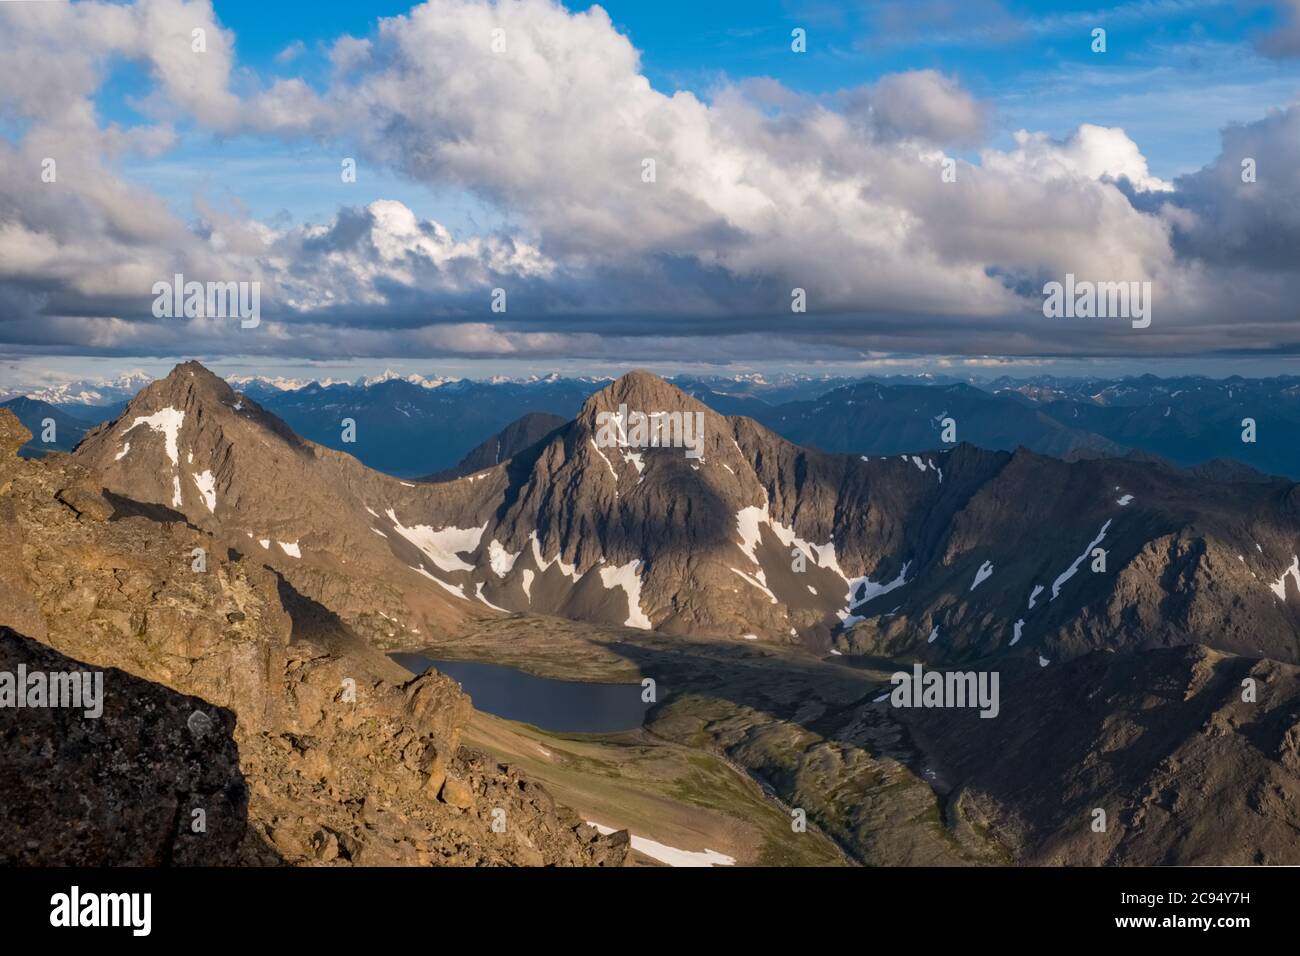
<point>559,705</point>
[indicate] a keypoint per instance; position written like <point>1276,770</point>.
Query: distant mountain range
<point>414,426</point>
<point>85,391</point>
<point>409,430</point>
<point>510,441</point>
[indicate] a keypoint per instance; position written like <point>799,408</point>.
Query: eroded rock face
<point>144,783</point>
<point>13,435</point>
<point>945,555</point>
<point>1190,753</point>
<point>344,753</point>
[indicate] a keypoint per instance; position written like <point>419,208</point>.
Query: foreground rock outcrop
<point>151,779</point>
<point>348,759</point>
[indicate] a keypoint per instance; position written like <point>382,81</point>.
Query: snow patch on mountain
<point>167,422</point>
<point>870,589</point>
<point>568,570</point>
<point>478,592</point>
<point>749,525</point>
<point>607,462</point>
<point>207,486</point>
<point>759,580</point>
<point>459,592</point>
<point>442,546</point>
<point>1074,568</point>
<point>499,559</point>
<point>1278,587</point>
<point>628,577</point>
<point>670,854</point>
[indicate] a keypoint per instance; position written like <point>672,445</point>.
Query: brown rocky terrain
<point>346,757</point>
<point>945,555</point>
<point>1189,766</point>
<point>191,446</point>
<point>1120,599</point>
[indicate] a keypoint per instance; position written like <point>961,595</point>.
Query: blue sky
<point>1175,73</point>
<point>898,280</point>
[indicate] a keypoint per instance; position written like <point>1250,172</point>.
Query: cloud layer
<point>546,116</point>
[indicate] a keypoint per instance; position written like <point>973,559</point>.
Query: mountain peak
<point>195,375</point>
<point>189,385</point>
<point>642,391</point>
<point>170,443</point>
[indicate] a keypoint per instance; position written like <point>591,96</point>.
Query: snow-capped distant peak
<point>387,375</point>
<point>90,391</point>
<point>279,383</point>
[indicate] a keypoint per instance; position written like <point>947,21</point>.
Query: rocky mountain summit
<point>344,757</point>
<point>943,554</point>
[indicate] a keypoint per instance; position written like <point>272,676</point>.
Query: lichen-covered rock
<point>131,786</point>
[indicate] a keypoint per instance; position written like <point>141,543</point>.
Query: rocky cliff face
<point>347,757</point>
<point>1191,755</point>
<point>945,555</point>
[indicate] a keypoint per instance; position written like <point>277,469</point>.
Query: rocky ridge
<point>945,555</point>
<point>347,758</point>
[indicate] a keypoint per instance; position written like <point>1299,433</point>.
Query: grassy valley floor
<point>741,733</point>
<point>674,795</point>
